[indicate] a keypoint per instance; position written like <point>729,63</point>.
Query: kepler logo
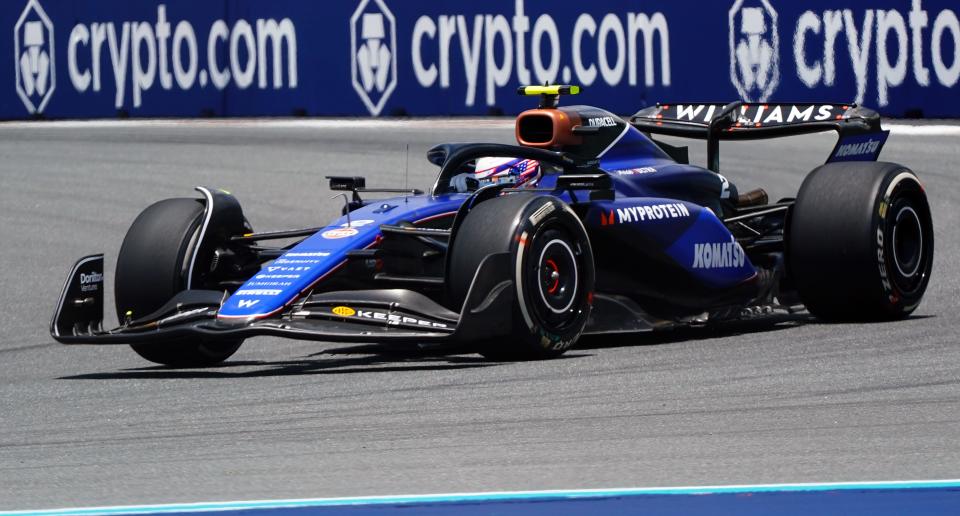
<point>140,55</point>
<point>898,44</point>
<point>619,49</point>
<point>36,70</point>
<point>754,49</point>
<point>373,57</point>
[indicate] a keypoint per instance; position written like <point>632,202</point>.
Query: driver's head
<point>517,171</point>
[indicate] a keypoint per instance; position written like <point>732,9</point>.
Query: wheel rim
<point>553,279</point>
<point>557,273</point>
<point>907,242</point>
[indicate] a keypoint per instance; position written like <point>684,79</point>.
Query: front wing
<point>390,315</point>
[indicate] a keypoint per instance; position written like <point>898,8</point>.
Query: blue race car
<point>588,226</point>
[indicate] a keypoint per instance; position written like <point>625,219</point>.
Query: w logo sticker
<point>247,303</point>
<point>34,59</point>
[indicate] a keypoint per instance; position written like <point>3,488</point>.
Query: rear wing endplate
<point>861,137</point>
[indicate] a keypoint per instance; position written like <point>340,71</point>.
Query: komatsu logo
<point>867,148</point>
<point>718,255</point>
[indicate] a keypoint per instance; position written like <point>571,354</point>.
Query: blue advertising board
<point>149,58</point>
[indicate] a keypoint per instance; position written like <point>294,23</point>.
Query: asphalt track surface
<point>786,400</point>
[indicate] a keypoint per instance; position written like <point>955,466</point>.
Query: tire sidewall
<point>898,191</point>
<point>545,220</point>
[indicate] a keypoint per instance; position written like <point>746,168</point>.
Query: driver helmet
<point>518,171</point>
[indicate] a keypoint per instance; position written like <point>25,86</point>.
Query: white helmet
<point>490,170</point>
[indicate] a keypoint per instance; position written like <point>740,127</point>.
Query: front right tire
<point>552,270</point>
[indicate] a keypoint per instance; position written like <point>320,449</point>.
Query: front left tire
<point>153,266</point>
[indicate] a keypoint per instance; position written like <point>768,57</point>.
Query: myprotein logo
<point>754,49</point>
<point>373,53</point>
<point>36,71</point>
<point>652,212</point>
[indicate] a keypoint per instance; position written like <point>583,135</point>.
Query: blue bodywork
<point>645,209</point>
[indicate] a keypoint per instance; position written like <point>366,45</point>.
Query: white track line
<point>481,497</point>
<point>923,130</point>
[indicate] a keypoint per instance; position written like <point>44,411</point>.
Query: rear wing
<point>860,136</point>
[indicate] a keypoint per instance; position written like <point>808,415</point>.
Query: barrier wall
<point>108,58</point>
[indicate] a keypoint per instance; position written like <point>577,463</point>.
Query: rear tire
<point>860,241</point>
<point>152,267</point>
<point>552,271</point>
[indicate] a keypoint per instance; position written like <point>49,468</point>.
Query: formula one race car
<point>589,225</point>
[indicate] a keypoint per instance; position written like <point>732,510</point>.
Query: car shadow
<point>759,325</point>
<point>372,358</point>
<point>343,360</point>
<point>769,323</point>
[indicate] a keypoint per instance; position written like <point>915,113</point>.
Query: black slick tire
<point>860,241</point>
<point>553,271</point>
<point>152,267</point>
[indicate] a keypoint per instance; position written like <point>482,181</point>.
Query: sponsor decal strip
<point>321,278</point>
<point>392,319</point>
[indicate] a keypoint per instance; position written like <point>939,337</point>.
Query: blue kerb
<point>474,498</point>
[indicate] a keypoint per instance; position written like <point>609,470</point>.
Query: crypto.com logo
<point>33,54</point>
<point>373,53</point>
<point>754,50</point>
